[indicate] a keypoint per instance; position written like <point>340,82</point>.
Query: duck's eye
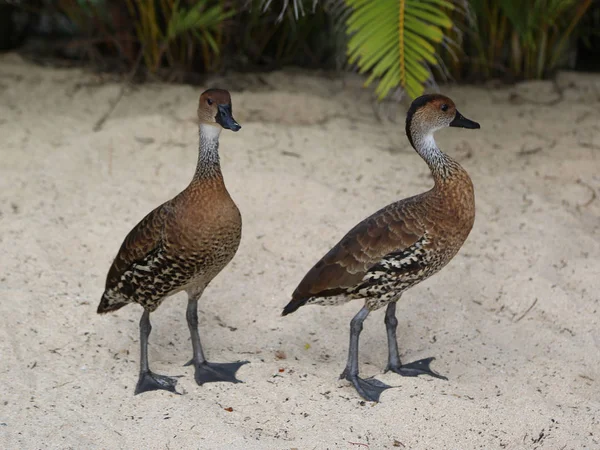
<point>209,101</point>
<point>444,107</point>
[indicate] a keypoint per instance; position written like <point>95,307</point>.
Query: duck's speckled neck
<point>441,165</point>
<point>209,165</point>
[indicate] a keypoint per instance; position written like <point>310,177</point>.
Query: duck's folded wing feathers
<point>344,267</point>
<point>145,238</point>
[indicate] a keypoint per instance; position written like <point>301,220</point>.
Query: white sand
<point>311,160</point>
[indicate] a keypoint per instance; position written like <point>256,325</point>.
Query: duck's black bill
<point>462,122</point>
<point>225,118</point>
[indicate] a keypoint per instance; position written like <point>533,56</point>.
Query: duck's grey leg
<point>369,389</point>
<point>149,381</point>
<point>207,372</point>
<point>413,369</point>
<point>391,323</point>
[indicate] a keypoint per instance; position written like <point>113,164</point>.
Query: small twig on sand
<point>110,159</point>
<point>529,151</point>
<point>527,312</point>
<point>591,189</point>
<point>100,123</point>
<point>359,444</point>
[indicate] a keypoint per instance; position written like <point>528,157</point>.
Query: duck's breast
<point>209,230</point>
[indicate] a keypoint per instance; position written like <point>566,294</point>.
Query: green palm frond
<point>200,17</point>
<point>173,29</point>
<point>396,40</point>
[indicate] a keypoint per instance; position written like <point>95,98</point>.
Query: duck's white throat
<point>208,152</point>
<point>439,163</point>
<point>426,146</point>
<point>210,132</point>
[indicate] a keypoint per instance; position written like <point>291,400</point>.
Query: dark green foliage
<point>397,43</point>
<point>517,39</point>
<point>269,34</point>
<point>588,42</point>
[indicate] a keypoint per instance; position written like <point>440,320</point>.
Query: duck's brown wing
<point>145,239</point>
<point>142,240</point>
<point>388,231</point>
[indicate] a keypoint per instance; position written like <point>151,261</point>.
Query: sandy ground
<point>513,320</point>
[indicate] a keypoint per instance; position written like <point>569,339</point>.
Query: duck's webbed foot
<point>414,369</point>
<point>150,381</point>
<point>207,372</point>
<point>369,389</point>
